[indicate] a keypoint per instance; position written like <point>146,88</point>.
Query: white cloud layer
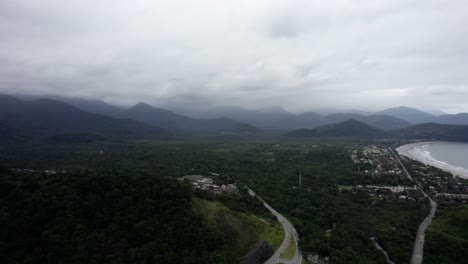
<point>299,54</point>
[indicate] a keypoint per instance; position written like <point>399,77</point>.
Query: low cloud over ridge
<point>299,54</point>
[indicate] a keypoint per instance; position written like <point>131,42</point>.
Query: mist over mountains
<point>348,128</point>
<point>267,118</point>
<point>48,116</point>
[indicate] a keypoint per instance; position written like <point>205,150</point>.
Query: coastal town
<point>445,188</point>
<point>387,177</point>
<point>377,161</point>
<point>390,181</point>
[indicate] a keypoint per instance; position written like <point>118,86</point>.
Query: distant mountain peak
<point>42,118</point>
<point>352,121</point>
<point>142,105</point>
<point>405,107</point>
<point>348,128</point>
<point>409,114</point>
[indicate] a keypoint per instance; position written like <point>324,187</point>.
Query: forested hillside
<point>447,237</point>
<point>348,128</point>
<point>433,131</point>
<point>43,118</point>
<point>112,217</point>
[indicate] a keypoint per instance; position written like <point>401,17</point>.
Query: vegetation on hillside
<point>114,217</point>
<point>45,117</point>
<point>447,237</point>
<point>331,221</point>
<point>241,232</point>
<point>349,128</point>
<point>431,131</point>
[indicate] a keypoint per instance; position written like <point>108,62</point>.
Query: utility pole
<point>300,179</point>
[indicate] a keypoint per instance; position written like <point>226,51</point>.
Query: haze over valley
<point>233,132</point>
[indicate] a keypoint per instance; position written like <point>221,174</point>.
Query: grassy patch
<point>241,232</point>
<point>272,232</point>
<point>266,156</point>
<point>447,237</point>
<point>346,187</point>
<point>290,250</point>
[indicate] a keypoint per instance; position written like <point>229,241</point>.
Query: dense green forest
<point>331,219</point>
<point>113,217</point>
<point>431,131</point>
<point>348,128</point>
<point>97,217</point>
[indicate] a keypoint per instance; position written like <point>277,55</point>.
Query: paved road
<point>289,231</point>
<point>418,248</point>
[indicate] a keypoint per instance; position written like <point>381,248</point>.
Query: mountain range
<point>356,129</point>
<point>75,121</point>
<point>164,118</point>
<point>181,124</point>
<point>280,119</point>
<point>46,117</point>
<point>51,115</point>
<point>349,128</point>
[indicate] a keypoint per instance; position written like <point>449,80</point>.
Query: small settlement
<point>380,163</point>
<point>375,160</point>
<point>446,189</point>
<point>205,183</point>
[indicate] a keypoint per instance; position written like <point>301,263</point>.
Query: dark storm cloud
<point>299,54</point>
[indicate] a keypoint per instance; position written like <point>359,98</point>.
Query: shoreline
<point>407,151</point>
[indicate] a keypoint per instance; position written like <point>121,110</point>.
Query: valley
<point>326,192</point>
<point>333,216</point>
<point>233,132</point>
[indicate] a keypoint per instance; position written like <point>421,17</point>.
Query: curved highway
<point>289,231</point>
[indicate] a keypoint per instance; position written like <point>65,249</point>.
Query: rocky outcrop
<point>258,255</point>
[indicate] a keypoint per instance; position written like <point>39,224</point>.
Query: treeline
<point>101,217</point>
<point>332,222</point>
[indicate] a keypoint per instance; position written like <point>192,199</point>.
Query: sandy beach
<point>409,151</point>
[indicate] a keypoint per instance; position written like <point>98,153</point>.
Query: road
<point>377,245</point>
<point>418,248</point>
<point>289,231</point>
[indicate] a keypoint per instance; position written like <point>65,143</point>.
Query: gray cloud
<point>298,54</point>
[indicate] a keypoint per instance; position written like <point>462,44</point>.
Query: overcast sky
<point>300,55</point>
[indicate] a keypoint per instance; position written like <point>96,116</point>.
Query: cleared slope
<point>447,237</point>
<point>241,232</point>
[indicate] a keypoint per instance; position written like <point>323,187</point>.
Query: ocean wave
<point>422,154</point>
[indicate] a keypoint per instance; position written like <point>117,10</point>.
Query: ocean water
<point>452,154</point>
